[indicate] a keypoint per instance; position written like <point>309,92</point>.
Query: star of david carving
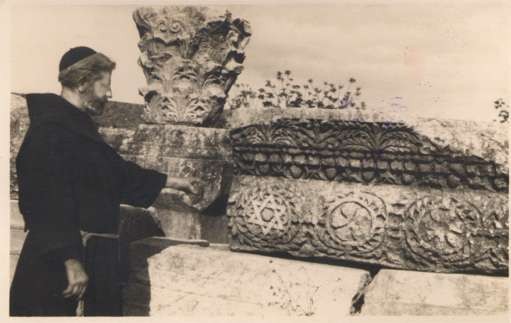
<point>269,213</point>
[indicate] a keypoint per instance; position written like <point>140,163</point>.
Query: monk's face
<point>97,93</point>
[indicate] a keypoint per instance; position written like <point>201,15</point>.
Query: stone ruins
<point>302,212</point>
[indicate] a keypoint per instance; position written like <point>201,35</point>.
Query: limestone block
<point>13,261</point>
<point>423,154</point>
<point>398,292</point>
<point>195,281</point>
<point>178,141</point>
<point>19,124</point>
<point>143,249</point>
<point>116,137</point>
<point>120,115</point>
<point>180,151</point>
<point>208,173</point>
<point>16,243</point>
<point>191,56</point>
<point>16,216</point>
<point>17,239</point>
<point>17,236</point>
<point>488,140</point>
<point>388,225</point>
<point>181,224</point>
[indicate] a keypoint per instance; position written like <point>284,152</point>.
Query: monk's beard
<point>94,105</point>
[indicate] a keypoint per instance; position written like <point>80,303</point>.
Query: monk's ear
<point>82,87</point>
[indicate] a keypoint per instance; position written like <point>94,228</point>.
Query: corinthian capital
<point>191,56</point>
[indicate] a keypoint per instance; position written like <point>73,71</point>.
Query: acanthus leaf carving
<point>193,55</point>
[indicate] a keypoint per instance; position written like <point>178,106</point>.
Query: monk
<point>71,181</point>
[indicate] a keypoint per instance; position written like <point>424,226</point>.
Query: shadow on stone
<point>136,224</point>
<point>213,219</point>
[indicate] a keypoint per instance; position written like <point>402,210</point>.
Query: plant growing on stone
<point>503,110</point>
<point>284,92</point>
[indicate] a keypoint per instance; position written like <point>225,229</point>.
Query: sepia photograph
<point>264,161</point>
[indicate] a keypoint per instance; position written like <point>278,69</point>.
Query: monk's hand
<point>176,194</point>
<point>77,279</point>
<point>188,185</point>
<point>154,214</point>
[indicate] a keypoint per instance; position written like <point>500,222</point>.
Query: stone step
<point>400,292</point>
<point>184,280</point>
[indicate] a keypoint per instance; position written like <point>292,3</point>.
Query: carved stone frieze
<point>191,56</point>
<point>392,226</point>
<point>361,152</point>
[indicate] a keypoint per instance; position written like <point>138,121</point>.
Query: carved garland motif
<point>359,152</point>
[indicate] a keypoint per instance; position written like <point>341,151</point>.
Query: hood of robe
<point>46,108</point>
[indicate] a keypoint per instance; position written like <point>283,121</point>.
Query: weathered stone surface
<point>17,236</point>
<point>175,141</point>
<point>208,172</point>
<point>488,140</point>
<point>191,56</point>
<point>364,152</point>
<point>182,151</point>
<point>388,225</point>
<point>120,115</point>
<point>13,261</point>
<point>190,280</point>
<point>180,223</point>
<point>398,292</point>
<point>117,138</point>
<point>15,215</point>
<point>19,124</point>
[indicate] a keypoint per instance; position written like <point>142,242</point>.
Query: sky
<point>447,59</point>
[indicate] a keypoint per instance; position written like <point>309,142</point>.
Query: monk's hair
<point>86,70</point>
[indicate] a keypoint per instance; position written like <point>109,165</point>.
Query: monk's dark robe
<point>69,180</point>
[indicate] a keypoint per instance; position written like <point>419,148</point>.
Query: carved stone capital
<point>191,56</point>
